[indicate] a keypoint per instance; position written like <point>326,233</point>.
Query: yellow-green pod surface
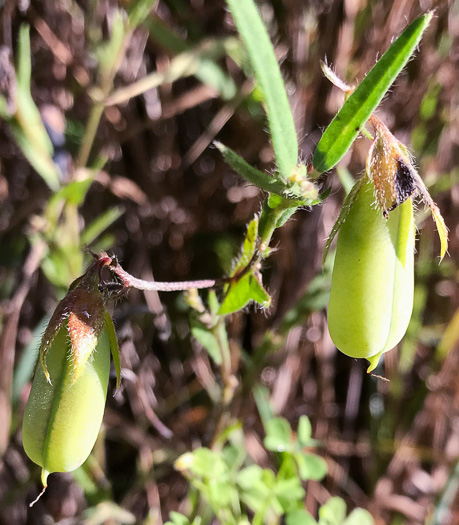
<point>371,298</point>
<point>62,420</point>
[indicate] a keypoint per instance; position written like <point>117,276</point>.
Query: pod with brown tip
<point>371,298</point>
<point>62,419</point>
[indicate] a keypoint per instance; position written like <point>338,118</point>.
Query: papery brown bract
<point>395,178</point>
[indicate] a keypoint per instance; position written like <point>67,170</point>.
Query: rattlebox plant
<point>371,285</point>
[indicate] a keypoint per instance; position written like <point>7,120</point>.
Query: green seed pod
<point>62,420</point>
<point>371,297</point>
<point>66,403</point>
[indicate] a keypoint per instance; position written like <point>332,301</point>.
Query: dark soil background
<point>391,447</point>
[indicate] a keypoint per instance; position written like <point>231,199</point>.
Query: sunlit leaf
<point>256,177</point>
<point>278,435</point>
<point>345,127</point>
<point>268,75</point>
<point>311,466</point>
<point>247,288</point>
<point>333,512</point>
<point>207,339</point>
<point>359,517</point>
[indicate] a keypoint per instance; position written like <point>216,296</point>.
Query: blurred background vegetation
<point>130,168</point>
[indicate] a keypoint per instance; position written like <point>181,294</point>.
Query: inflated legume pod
<point>67,399</point>
<point>371,297</point>
<point>62,419</point>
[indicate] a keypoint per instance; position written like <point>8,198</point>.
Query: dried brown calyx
<point>395,178</point>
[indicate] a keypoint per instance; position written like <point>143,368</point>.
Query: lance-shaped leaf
<point>256,177</point>
<point>269,78</point>
<point>25,123</point>
<point>110,328</point>
<point>345,127</point>
<point>248,248</point>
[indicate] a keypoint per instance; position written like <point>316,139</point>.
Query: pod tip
<point>374,360</point>
<point>44,478</point>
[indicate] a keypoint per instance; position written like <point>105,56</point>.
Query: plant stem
<point>90,134</point>
<point>228,380</point>
<point>268,223</point>
<point>129,281</point>
<point>97,110</point>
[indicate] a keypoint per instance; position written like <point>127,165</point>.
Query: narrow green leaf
<point>26,125</point>
<point>268,75</point>
<point>256,177</point>
<point>27,135</point>
<point>207,339</point>
<point>248,248</point>
<point>139,10</point>
<point>108,53</point>
<point>259,294</point>
<point>24,65</point>
<point>213,303</point>
<point>286,216</point>
<point>100,224</point>
<point>345,127</point>
<point>73,193</point>
<point>110,327</point>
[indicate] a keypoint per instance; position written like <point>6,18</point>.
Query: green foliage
<point>236,489</point>
<point>25,121</point>
<point>247,284</point>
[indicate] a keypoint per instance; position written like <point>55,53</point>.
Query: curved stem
<point>129,281</point>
